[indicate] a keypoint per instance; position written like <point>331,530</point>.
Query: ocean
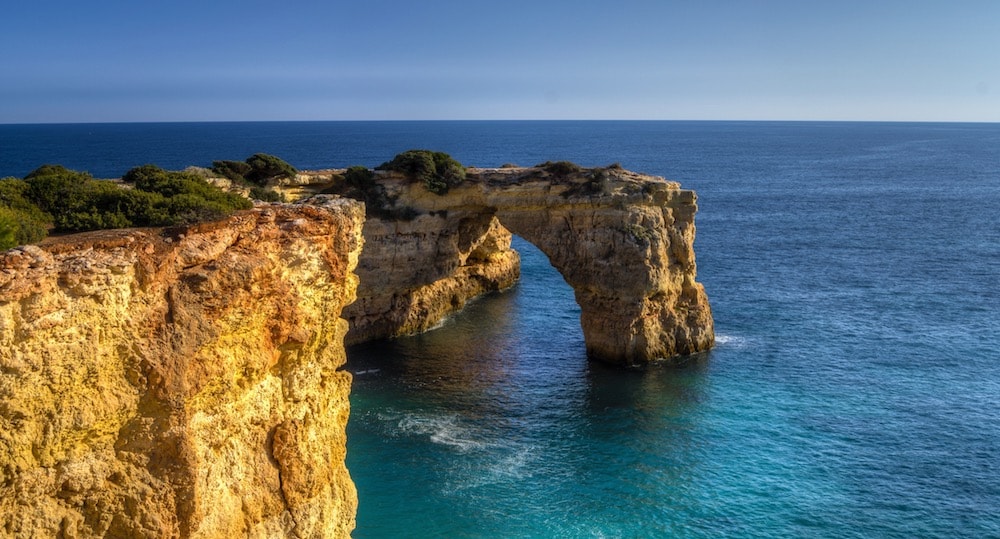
<point>854,391</point>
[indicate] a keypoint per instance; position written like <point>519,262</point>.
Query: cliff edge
<point>180,382</point>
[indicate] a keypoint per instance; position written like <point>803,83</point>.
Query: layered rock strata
<point>415,272</point>
<point>623,241</point>
<point>180,383</point>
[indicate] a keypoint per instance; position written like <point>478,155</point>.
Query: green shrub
<point>52,187</point>
<point>188,208</point>
<point>234,170</point>
<point>71,198</point>
<point>360,177</point>
<point>157,198</point>
<point>417,164</point>
<point>264,194</point>
<point>8,229</point>
<point>32,223</point>
<point>154,179</point>
<point>143,208</point>
<point>438,171</point>
<point>51,170</point>
<point>360,184</point>
<point>91,206</point>
<point>73,201</point>
<point>144,173</point>
<point>172,184</point>
<point>264,167</point>
<point>560,168</point>
<point>26,227</point>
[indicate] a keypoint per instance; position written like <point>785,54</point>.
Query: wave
<point>730,341</point>
<point>499,466</point>
<point>487,459</point>
<point>441,429</point>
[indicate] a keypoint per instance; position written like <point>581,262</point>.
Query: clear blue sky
<point>180,60</point>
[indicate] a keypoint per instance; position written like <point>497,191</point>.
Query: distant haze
<point>126,61</point>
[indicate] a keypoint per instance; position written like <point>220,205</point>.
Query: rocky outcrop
<point>184,382</point>
<point>623,241</point>
<point>627,252</point>
<point>417,271</point>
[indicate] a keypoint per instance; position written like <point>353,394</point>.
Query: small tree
<point>360,177</point>
<point>438,171</point>
<point>264,167</point>
<point>234,170</point>
<point>264,194</point>
<point>53,187</point>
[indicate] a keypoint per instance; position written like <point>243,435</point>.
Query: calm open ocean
<point>854,274</point>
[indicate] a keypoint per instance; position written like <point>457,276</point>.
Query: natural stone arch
<point>638,300</point>
<point>622,241</point>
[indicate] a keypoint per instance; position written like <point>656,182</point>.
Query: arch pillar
<point>632,270</point>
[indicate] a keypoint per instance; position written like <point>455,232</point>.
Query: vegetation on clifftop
<point>359,182</point>
<point>64,200</point>
<point>258,169</point>
<point>21,221</point>
<point>438,171</point>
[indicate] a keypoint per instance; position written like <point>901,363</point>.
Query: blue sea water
<point>854,274</point>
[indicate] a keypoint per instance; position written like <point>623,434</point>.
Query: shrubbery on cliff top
<point>438,171</point>
<point>234,170</point>
<point>257,170</point>
<point>8,228</point>
<point>22,218</point>
<point>360,183</point>
<point>71,201</point>
<point>179,198</point>
<point>560,168</point>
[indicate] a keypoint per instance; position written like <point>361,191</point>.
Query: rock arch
<point>623,241</point>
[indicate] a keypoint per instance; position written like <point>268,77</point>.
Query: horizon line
<point>414,120</point>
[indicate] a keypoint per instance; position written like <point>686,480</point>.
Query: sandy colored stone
<point>180,383</point>
<point>415,273</point>
<point>623,241</point>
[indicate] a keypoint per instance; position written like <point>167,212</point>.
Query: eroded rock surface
<point>415,272</point>
<point>180,383</point>
<point>623,241</point>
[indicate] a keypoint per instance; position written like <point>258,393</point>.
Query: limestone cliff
<point>417,271</point>
<point>180,383</point>
<point>623,241</point>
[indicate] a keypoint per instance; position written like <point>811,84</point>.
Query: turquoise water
<point>853,274</point>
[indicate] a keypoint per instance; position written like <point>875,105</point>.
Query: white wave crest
<point>444,430</point>
<point>730,341</point>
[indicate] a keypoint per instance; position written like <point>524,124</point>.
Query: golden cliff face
<point>416,272</point>
<point>184,383</point>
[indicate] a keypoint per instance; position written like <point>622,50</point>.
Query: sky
<point>247,60</point>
